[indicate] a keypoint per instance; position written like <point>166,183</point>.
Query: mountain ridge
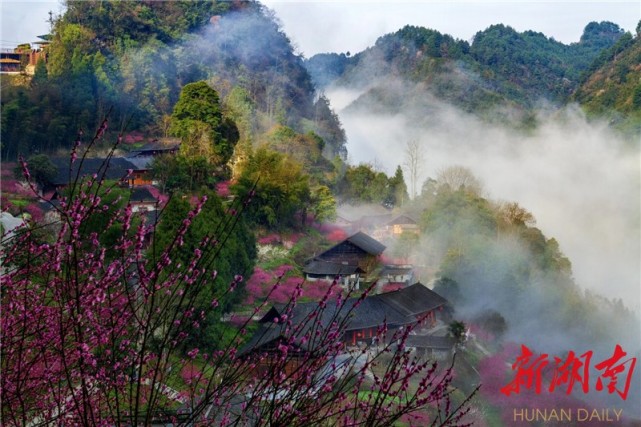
<point>500,69</point>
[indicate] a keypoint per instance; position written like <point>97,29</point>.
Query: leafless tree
<point>459,178</point>
<point>414,158</point>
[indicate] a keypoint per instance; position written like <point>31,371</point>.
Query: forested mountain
<point>613,86</point>
<point>500,68</point>
<point>133,58</point>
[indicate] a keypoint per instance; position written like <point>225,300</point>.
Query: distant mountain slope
<point>501,68</point>
<point>613,87</point>
<point>133,58</point>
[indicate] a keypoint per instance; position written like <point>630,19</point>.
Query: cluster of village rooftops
<point>396,302</point>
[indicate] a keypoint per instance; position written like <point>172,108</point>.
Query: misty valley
<point>201,226</point>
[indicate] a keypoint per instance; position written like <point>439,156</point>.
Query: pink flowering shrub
<point>282,270</point>
<point>331,232</point>
<point>95,335</point>
<point>35,211</point>
<point>162,198</point>
<point>276,287</point>
<point>223,189</point>
<point>133,137</point>
<point>269,239</point>
<point>15,187</point>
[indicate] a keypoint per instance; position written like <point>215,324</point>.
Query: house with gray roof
<point>360,320</point>
<point>348,260</point>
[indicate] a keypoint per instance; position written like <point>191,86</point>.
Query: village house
<point>415,306</point>
<point>432,346</point>
<point>155,148</point>
<point>117,169</point>
<point>23,59</point>
<point>142,199</point>
<point>142,158</point>
<point>350,260</point>
<point>400,225</point>
<point>131,172</point>
<point>383,226</point>
<point>396,275</point>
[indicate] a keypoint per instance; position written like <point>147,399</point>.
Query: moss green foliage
<point>457,329</point>
<point>198,120</point>
<point>41,169</point>
<point>133,58</point>
<point>323,204</point>
<point>235,249</point>
<point>280,189</point>
<point>305,149</point>
<point>500,270</point>
<point>500,68</point>
<point>533,65</point>
<point>364,184</point>
<point>612,86</point>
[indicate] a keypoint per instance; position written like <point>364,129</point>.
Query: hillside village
<point>355,263</point>
<point>307,260</point>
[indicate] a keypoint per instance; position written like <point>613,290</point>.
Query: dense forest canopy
<point>132,59</point>
<point>500,69</point>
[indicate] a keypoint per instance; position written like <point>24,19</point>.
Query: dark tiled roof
<point>116,169</point>
<point>402,219</point>
<point>142,194</point>
<point>345,255</point>
<point>154,147</point>
<point>414,300</point>
<point>366,243</point>
<point>141,163</point>
<point>395,308</point>
<point>49,205</point>
<point>430,341</point>
<point>396,270</point>
<point>374,311</point>
<point>319,266</point>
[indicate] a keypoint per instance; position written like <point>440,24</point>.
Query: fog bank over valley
<point>579,179</point>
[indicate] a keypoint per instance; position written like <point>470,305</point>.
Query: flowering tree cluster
<point>97,333</point>
<point>261,284</point>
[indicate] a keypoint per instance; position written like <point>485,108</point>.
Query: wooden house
<point>22,59</point>
<point>419,303</point>
<point>128,172</point>
<point>141,199</point>
<point>154,149</point>
<point>349,260</point>
<point>362,319</point>
<point>140,175</point>
<point>400,225</point>
<point>431,346</point>
<point>397,273</point>
<point>142,158</point>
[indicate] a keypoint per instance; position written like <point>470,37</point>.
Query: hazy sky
<point>340,26</point>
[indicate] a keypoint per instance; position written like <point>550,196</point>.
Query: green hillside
<point>133,58</point>
<point>500,68</point>
<point>613,87</point>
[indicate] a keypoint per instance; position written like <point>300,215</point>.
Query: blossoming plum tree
<point>96,333</point>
